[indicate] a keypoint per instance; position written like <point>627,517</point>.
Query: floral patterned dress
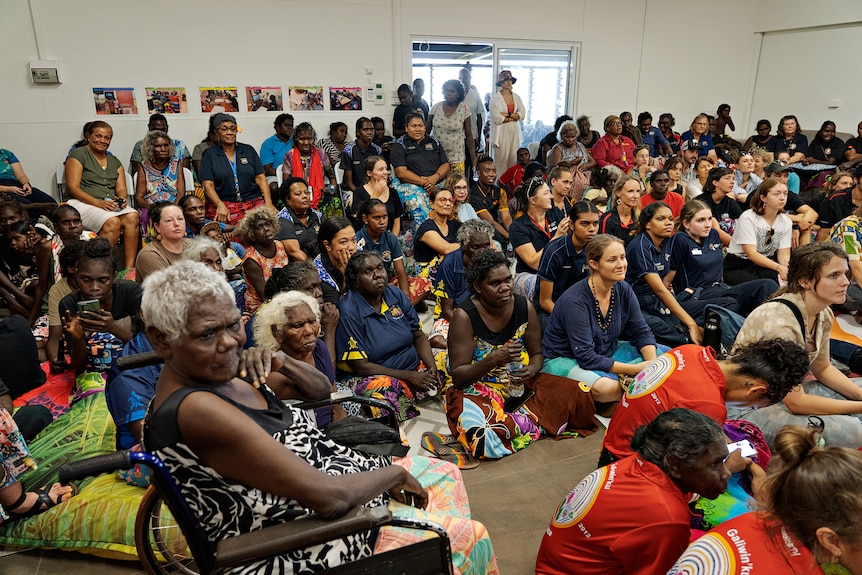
<point>475,413</point>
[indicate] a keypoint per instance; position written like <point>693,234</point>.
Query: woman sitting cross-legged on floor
<point>801,312</point>
<point>695,265</point>
<point>597,331</point>
<point>269,464</point>
<point>760,246</point>
<point>380,346</point>
<point>494,348</point>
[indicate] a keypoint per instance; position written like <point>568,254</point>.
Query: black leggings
<point>738,270</point>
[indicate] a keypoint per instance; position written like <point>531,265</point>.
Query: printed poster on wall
<point>111,101</point>
<point>264,98</point>
<point>345,98</point>
<point>167,101</point>
<point>219,99</point>
<point>305,98</point>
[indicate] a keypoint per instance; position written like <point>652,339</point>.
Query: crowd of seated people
<point>637,234</point>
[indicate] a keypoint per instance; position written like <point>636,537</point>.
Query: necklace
<point>603,325</point>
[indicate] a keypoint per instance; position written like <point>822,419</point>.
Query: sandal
<point>449,449</point>
<point>43,501</point>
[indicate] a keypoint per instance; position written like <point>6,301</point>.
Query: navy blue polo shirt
<point>644,258</point>
<point>451,279</point>
<point>216,167</point>
<point>610,223</point>
<point>562,265</point>
<point>525,231</point>
<point>422,158</point>
<point>796,143</point>
<point>706,143</point>
<point>492,201</point>
<point>353,158</point>
<point>654,138</point>
<point>696,264</point>
<point>387,245</point>
<point>384,338</point>
<point>290,227</point>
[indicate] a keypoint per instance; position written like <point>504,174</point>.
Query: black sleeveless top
<point>481,331</point>
<point>226,508</point>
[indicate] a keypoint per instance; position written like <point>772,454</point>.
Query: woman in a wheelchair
<point>224,440</point>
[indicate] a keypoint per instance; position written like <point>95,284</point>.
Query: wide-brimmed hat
<point>505,75</point>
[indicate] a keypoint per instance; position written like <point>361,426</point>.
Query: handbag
<point>366,436</point>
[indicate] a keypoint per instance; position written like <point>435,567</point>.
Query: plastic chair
<point>190,180</point>
<point>61,182</point>
<point>279,175</point>
<point>130,189</point>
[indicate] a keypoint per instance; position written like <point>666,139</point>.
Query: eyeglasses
<point>445,200</point>
<point>227,129</point>
<point>767,241</point>
<point>617,123</point>
<point>462,187</point>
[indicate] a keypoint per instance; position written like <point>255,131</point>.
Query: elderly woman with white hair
<point>206,251</point>
<point>290,323</point>
<point>267,463</point>
<point>569,149</point>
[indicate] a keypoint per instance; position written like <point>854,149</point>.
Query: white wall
<point>631,57</point>
<point>808,59</point>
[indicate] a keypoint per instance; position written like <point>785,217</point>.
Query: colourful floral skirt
<point>476,418</point>
<point>384,388</point>
<point>472,552</point>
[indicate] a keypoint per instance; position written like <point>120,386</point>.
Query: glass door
<point>546,82</point>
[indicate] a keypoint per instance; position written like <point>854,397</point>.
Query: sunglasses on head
<point>532,185</point>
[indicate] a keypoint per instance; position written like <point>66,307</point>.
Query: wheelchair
<point>170,540</point>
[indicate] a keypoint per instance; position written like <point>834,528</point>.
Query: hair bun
<point>97,248</point>
<point>794,444</point>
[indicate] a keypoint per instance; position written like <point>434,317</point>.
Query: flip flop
<point>448,449</point>
<point>43,501</point>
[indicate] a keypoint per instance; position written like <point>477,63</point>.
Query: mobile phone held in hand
<point>89,305</point>
<point>745,447</point>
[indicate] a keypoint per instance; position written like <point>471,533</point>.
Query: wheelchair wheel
<point>161,546</point>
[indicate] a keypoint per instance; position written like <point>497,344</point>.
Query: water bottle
<point>712,332</point>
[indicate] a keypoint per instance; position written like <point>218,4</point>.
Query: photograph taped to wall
<point>345,98</point>
<point>219,99</point>
<point>167,101</point>
<point>305,98</point>
<point>111,101</point>
<point>264,98</point>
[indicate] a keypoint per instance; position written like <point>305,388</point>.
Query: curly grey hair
<point>244,229</point>
<point>171,293</point>
<point>272,316</point>
<point>147,150</point>
<point>565,126</point>
<point>198,247</point>
<point>472,227</point>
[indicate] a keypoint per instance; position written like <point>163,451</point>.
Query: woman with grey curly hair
<point>160,176</point>
<point>634,512</point>
<point>258,228</point>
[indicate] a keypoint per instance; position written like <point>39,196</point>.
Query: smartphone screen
<point>745,447</point>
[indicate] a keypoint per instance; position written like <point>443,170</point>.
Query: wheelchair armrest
<point>299,533</point>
